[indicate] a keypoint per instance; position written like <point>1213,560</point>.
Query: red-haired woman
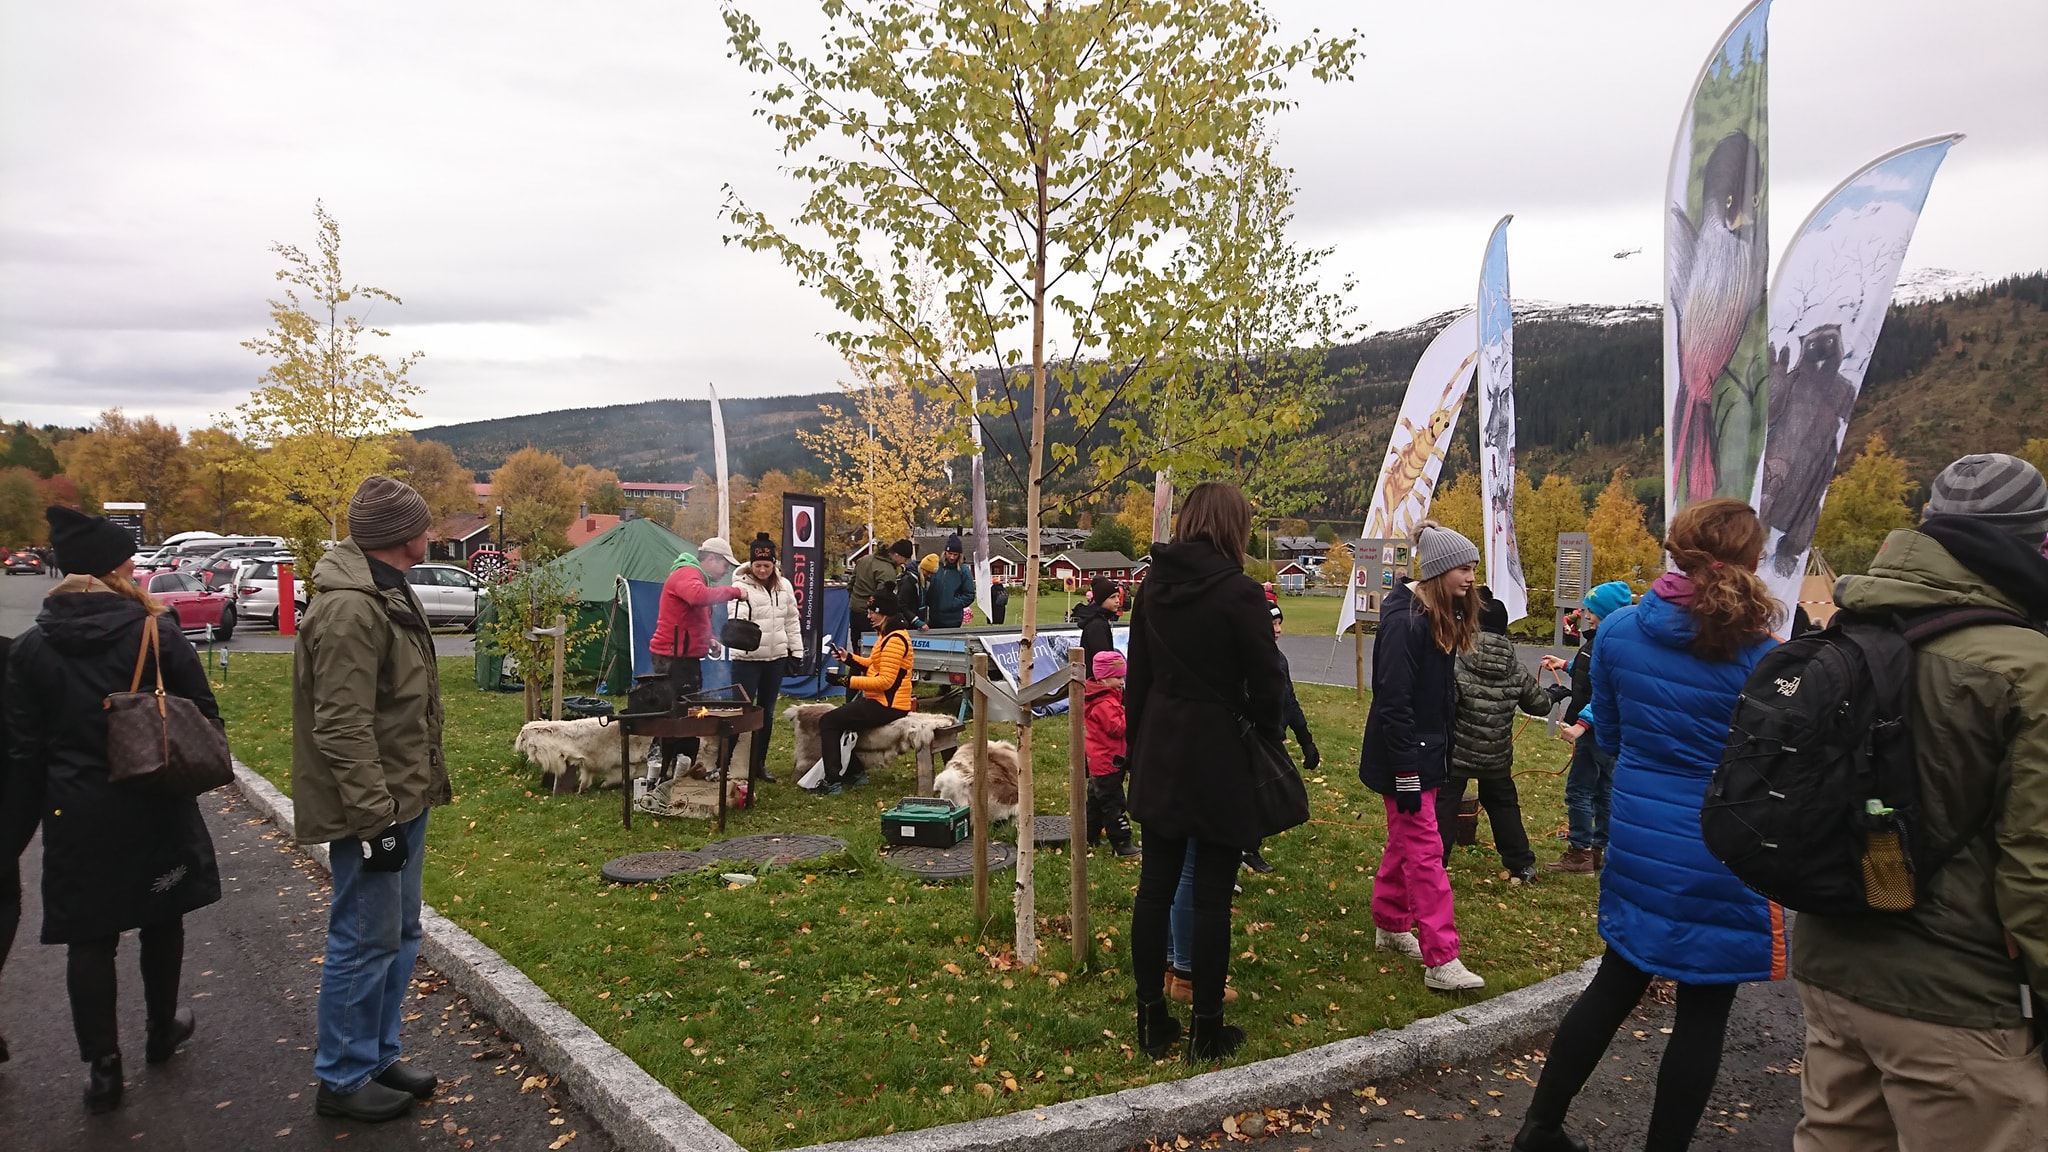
<point>1666,675</point>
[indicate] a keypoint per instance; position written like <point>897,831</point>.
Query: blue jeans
<point>1588,790</point>
<point>373,938</point>
<point>1180,939</point>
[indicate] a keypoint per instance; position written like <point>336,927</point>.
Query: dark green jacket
<point>869,573</point>
<point>366,706</point>
<point>1980,734</point>
<point>1492,684</point>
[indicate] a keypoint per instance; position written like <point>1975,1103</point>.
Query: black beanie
<point>1493,615</point>
<point>884,601</point>
<point>1101,589</point>
<point>93,545</point>
<point>761,549</point>
<point>904,548</point>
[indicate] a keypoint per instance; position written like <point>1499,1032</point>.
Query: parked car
<point>219,570</point>
<point>256,589</point>
<point>450,594</point>
<point>25,561</point>
<point>192,605</point>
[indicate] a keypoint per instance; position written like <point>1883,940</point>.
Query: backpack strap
<point>1927,626</point>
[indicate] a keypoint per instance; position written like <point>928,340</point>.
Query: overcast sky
<point>540,182</point>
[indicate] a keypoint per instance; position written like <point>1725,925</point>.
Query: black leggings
<point>762,680</point>
<point>1215,875</point>
<point>1503,806</point>
<point>90,977</point>
<point>1691,1060</point>
<point>857,715</point>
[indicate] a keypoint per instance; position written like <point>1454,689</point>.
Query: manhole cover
<point>644,867</point>
<point>1051,829</point>
<point>771,850</point>
<point>949,863</point>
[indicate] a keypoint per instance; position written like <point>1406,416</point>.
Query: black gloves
<point>1408,794</point>
<point>1309,756</point>
<point>836,677</point>
<point>384,852</point>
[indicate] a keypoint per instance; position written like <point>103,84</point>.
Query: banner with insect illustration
<point>1497,427</point>
<point>1716,253</point>
<point>1828,303</point>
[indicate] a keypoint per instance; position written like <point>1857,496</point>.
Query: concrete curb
<point>641,1113</point>
<point>1199,1103</point>
<point>636,1109</point>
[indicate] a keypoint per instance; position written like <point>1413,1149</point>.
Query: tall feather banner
<point>1497,426</point>
<point>1828,304</point>
<point>718,459</point>
<point>1716,251</point>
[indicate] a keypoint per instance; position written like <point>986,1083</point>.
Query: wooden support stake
<point>1077,808</point>
<point>979,814</point>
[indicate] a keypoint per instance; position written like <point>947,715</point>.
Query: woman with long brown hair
<point>1666,674</point>
<point>1202,658</point>
<point>1405,757</point>
<point>115,856</point>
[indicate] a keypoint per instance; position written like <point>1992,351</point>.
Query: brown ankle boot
<point>1575,862</point>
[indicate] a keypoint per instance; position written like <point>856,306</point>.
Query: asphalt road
<point>245,1081</point>
<point>1332,659</point>
<point>21,598</point>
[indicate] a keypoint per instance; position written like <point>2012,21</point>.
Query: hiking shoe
<point>1539,1137</point>
<point>164,1037</point>
<point>408,1079</point>
<point>1526,875</point>
<point>373,1103</point>
<point>1404,943</point>
<point>1125,850</point>
<point>1256,862</point>
<point>1575,862</point>
<point>1451,976</point>
<point>831,789</point>
<point>857,780</point>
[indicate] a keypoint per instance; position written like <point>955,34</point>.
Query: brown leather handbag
<point>161,741</point>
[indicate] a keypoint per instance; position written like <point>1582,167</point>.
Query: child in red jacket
<point>1104,714</point>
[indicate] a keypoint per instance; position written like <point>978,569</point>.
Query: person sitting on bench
<point>884,686</point>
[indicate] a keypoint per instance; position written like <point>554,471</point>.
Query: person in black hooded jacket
<point>1201,653</point>
<point>60,672</point>
<point>1098,617</point>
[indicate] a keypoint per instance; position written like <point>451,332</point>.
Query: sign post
<point>129,516</point>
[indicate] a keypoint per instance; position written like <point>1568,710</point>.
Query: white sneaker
<point>1451,976</point>
<point>1403,942</point>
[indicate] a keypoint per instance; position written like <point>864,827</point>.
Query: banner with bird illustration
<point>1716,254</point>
<point>1496,314</point>
<point>1828,303</point>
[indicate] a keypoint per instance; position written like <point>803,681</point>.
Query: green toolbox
<point>926,821</point>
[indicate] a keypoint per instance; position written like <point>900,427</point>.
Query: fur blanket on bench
<point>586,750</point>
<point>878,747</point>
<point>956,782</point>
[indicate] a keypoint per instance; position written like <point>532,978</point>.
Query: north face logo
<point>1787,687</point>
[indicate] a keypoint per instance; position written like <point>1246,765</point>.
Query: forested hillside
<point>1949,376</point>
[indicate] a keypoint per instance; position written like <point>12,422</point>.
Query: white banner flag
<point>1497,426</point>
<point>1429,417</point>
<point>1828,304</point>
<point>718,459</point>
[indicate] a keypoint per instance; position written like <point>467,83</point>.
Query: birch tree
<point>1046,161</point>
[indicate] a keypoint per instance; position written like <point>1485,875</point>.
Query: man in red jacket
<point>682,627</point>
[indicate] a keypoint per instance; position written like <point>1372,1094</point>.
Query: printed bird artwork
<point>1810,403</point>
<point>1716,279</point>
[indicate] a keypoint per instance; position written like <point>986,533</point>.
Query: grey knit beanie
<point>385,512</point>
<point>1438,550</point>
<point>2004,491</point>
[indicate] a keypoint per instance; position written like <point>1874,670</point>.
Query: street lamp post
<point>501,527</point>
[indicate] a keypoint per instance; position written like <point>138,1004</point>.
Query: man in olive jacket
<point>366,766</point>
<point>1917,1024</point>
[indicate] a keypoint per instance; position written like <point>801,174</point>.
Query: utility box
<point>926,821</point>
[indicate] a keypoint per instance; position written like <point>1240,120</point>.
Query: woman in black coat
<point>115,857</point>
<point>1202,653</point>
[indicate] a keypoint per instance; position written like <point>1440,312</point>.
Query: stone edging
<point>637,1110</point>
<point>641,1113</point>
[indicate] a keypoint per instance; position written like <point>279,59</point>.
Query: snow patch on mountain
<point>1924,284</point>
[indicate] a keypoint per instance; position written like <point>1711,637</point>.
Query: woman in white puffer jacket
<point>772,604</point>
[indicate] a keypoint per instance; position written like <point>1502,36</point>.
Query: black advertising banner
<point>803,544</point>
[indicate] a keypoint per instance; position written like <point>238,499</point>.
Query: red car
<point>192,605</point>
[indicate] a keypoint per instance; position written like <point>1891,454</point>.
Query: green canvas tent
<point>601,577</point>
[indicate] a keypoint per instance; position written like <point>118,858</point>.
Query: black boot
<point>165,1036</point>
<point>1158,1028</point>
<point>103,1085</point>
<point>1537,1136</point>
<point>1256,862</point>
<point>1213,1039</point>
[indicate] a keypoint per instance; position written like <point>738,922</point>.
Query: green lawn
<point>840,998</point>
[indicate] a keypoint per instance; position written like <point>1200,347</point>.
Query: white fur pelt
<point>878,747</point>
<point>956,782</point>
<point>586,749</point>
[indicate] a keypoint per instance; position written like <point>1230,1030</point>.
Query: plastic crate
<point>926,821</point>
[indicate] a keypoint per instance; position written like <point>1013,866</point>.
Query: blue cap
<point>1609,598</point>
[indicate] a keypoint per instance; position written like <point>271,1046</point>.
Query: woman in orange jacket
<point>885,691</point>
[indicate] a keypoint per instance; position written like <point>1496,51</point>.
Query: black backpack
<point>1816,804</point>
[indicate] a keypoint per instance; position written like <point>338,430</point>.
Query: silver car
<point>450,594</point>
<point>256,590</point>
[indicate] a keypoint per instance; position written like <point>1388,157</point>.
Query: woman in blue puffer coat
<point>1666,674</point>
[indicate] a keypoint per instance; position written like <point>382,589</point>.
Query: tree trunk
<point>1027,856</point>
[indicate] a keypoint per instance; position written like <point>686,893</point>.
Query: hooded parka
<point>115,856</point>
<point>1414,699</point>
<point>1201,653</point>
<point>1492,684</point>
<point>366,705</point>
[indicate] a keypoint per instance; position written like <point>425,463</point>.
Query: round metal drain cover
<point>1051,829</point>
<point>952,863</point>
<point>645,867</point>
<point>773,849</point>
